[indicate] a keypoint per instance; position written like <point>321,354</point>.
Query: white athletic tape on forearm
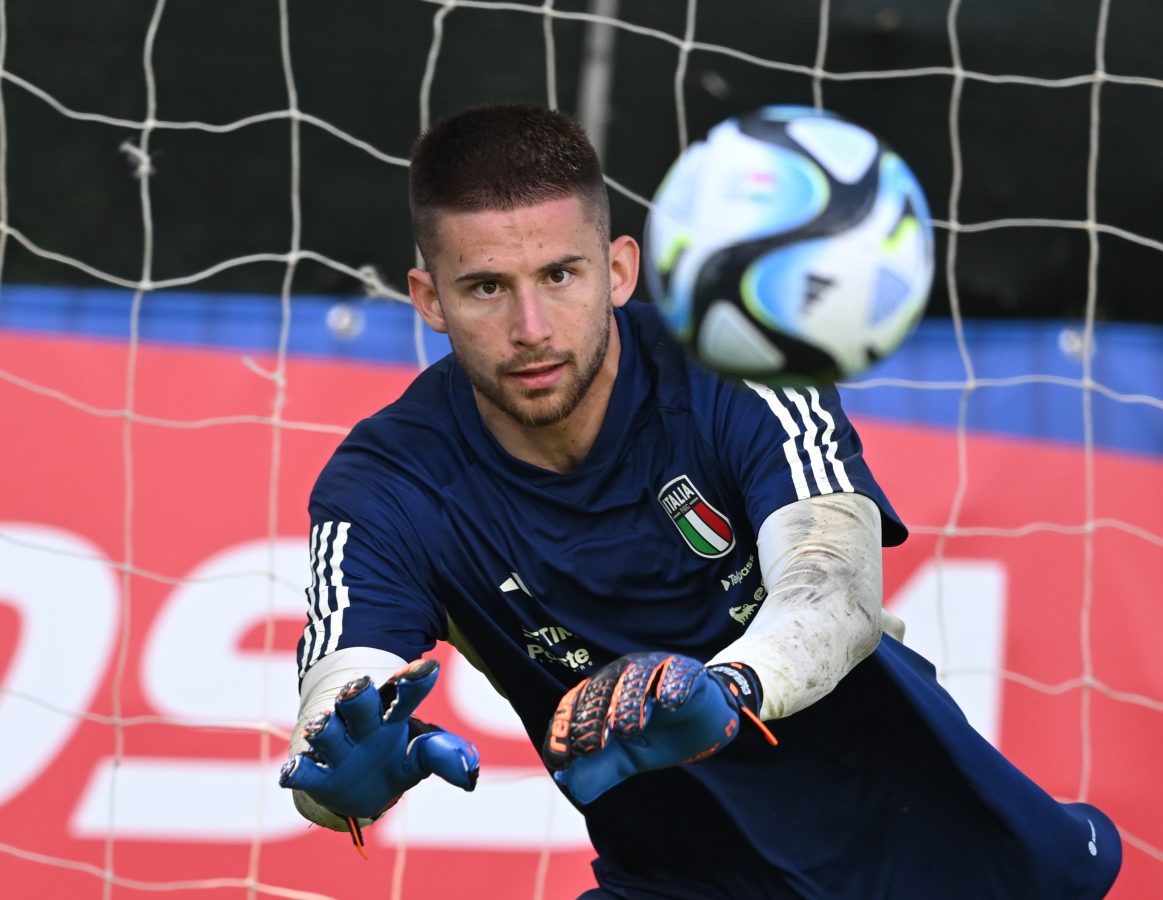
<point>321,685</point>
<point>821,563</point>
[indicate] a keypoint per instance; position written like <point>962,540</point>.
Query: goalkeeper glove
<point>371,749</point>
<point>646,711</point>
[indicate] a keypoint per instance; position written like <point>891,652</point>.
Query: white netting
<point>264,567</point>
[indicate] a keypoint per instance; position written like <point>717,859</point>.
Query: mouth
<point>539,375</point>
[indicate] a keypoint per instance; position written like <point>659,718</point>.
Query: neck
<point>562,446</point>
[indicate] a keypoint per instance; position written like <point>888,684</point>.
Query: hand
<point>646,711</point>
<point>371,750</point>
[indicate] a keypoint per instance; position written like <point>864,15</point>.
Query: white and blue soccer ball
<point>789,246</point>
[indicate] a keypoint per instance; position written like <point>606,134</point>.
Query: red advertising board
<point>151,596</point>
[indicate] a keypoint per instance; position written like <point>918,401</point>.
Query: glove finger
<point>589,726</point>
<point>676,679</point>
<point>328,738</point>
<point>578,727</point>
<point>406,688</point>
<point>358,705</point>
<point>555,749</point>
<point>302,774</point>
<point>452,758</point>
<point>633,695</point>
<point>589,777</point>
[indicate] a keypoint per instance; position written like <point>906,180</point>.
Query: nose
<point>530,324</point>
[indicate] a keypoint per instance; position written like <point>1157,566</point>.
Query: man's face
<point>525,298</point>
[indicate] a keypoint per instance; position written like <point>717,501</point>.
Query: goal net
<point>203,241</point>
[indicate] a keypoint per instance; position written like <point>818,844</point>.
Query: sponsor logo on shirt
<point>742,613</point>
<point>552,644</point>
<point>549,643</point>
<point>738,575</point>
<point>706,530</point>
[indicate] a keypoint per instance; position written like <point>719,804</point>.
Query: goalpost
<point>168,403</point>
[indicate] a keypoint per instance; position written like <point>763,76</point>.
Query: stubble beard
<point>516,405</point>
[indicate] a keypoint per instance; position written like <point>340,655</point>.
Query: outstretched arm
<point>822,568</point>
<point>821,564</point>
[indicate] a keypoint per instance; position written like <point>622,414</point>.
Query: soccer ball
<point>790,246</point>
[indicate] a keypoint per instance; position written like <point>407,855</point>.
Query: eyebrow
<point>489,275</point>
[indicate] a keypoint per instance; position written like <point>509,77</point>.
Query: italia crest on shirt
<point>706,530</point>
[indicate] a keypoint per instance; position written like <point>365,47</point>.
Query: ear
<point>624,255</point>
<point>422,290</point>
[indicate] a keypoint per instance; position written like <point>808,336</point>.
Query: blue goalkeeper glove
<point>371,750</point>
<point>646,711</point>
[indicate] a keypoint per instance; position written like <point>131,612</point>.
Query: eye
<point>560,276</point>
<point>486,289</point>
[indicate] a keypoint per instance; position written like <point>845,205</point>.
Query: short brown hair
<point>500,158</point>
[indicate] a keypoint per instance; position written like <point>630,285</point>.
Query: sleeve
<point>371,583</point>
<point>821,564</point>
<point>792,443</point>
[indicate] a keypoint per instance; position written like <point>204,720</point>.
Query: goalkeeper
<point>674,580</point>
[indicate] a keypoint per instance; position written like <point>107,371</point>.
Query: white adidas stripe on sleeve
<point>810,432</point>
<point>324,619</point>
